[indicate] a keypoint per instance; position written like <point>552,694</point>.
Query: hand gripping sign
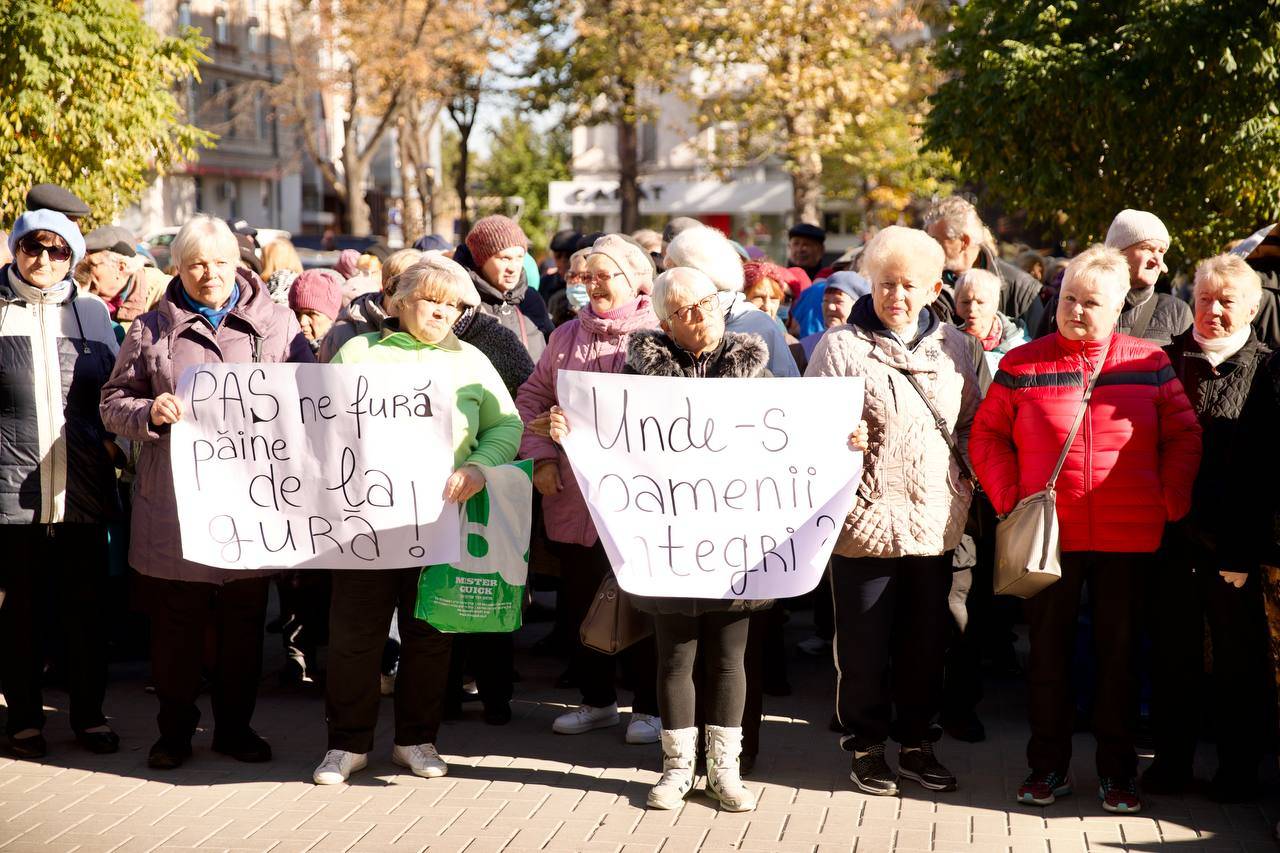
<point>314,466</point>
<point>714,488</point>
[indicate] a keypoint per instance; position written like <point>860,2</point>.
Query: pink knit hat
<point>316,290</point>
<point>492,235</point>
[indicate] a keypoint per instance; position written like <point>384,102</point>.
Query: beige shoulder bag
<point>1027,555</point>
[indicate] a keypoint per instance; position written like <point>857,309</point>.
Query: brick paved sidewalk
<point>522,788</point>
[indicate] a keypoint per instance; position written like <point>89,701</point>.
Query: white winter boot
<point>679,747</point>
<point>724,747</point>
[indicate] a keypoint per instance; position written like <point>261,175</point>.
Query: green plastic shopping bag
<point>484,591</point>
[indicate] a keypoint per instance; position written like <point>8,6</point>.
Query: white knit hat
<point>1133,226</point>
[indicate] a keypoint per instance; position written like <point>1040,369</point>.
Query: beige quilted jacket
<point>912,500</point>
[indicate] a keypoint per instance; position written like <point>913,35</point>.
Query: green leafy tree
<point>87,101</point>
<point>522,162</point>
<point>1076,110</point>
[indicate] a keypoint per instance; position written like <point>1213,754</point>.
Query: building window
<point>647,142</point>
<point>252,41</point>
<point>221,27</point>
<point>184,15</point>
<point>222,103</point>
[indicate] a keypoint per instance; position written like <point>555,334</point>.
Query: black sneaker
<point>872,775</point>
<point>919,765</point>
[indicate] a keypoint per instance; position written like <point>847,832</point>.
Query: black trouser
<point>182,613</point>
<point>1184,589</point>
<point>720,640</point>
<point>75,555</point>
<point>962,689</point>
<point>363,602</point>
<point>581,570</point>
<point>1115,582</point>
<point>304,615</point>
<point>489,657</point>
<point>892,624</point>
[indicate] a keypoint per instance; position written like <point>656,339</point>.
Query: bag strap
<point>1075,426</point>
<point>1142,317</point>
<point>941,423</point>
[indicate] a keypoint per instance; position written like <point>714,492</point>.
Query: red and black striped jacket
<point>1132,464</point>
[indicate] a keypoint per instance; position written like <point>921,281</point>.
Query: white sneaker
<point>421,758</point>
<point>585,718</point>
<point>338,764</point>
<point>814,646</point>
<point>644,728</point>
<point>387,684</point>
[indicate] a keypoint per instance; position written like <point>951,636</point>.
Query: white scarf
<point>1218,350</point>
<point>52,295</point>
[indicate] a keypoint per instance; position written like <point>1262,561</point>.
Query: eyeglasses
<point>703,306</point>
<point>601,278</point>
<point>577,278</point>
<point>31,245</point>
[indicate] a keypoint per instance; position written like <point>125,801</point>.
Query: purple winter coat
<point>594,343</point>
<point>161,344</point>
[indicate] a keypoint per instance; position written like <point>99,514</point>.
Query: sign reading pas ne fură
<point>314,466</point>
<point>714,488</point>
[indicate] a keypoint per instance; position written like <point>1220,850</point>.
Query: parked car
<point>157,244</point>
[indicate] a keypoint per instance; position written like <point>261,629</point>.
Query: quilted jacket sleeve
<point>1179,443</point>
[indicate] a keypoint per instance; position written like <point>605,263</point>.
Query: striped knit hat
<point>492,235</point>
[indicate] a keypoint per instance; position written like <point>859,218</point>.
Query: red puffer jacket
<point>1133,462</point>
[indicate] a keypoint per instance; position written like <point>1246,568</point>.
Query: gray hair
<point>444,279</point>
<point>960,218</point>
<point>975,278</point>
<point>689,277</point>
<point>1230,269</point>
<point>200,233</point>
<point>1100,264</point>
<point>710,252</point>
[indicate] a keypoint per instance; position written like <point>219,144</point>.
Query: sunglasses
<point>31,245</point>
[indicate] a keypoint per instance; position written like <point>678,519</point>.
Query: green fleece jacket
<point>486,425</point>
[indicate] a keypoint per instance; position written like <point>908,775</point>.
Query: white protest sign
<point>714,488</point>
<point>314,466</point>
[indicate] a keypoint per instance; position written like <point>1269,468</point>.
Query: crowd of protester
<point>985,379</point>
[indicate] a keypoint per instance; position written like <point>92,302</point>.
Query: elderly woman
<point>212,312</point>
<point>1207,567</point>
<point>1130,470</point>
<point>56,463</point>
<point>978,309</point>
<point>427,301</point>
<point>891,570</point>
<point>840,291</point>
<point>711,253</point>
<point>315,297</point>
<point>615,272</point>
<point>493,253</point>
<point>693,343</point>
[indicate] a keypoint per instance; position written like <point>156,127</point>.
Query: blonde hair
<point>1100,264</point>
<point>369,264</point>
<point>203,232</point>
<point>397,263</point>
<point>909,246</point>
<point>710,252</point>
<point>1229,269</point>
<point>278,255</point>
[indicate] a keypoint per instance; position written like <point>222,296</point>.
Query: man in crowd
<point>806,245</point>
<point>958,228</point>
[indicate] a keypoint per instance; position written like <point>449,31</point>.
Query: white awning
<point>674,197</point>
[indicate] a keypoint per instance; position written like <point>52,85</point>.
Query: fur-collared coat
<point>739,356</point>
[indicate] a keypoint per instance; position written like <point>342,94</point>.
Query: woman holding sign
<point>1135,449</point>
<point>212,312</point>
<point>693,343</point>
<point>891,570</point>
<point>426,303</point>
<point>616,273</point>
